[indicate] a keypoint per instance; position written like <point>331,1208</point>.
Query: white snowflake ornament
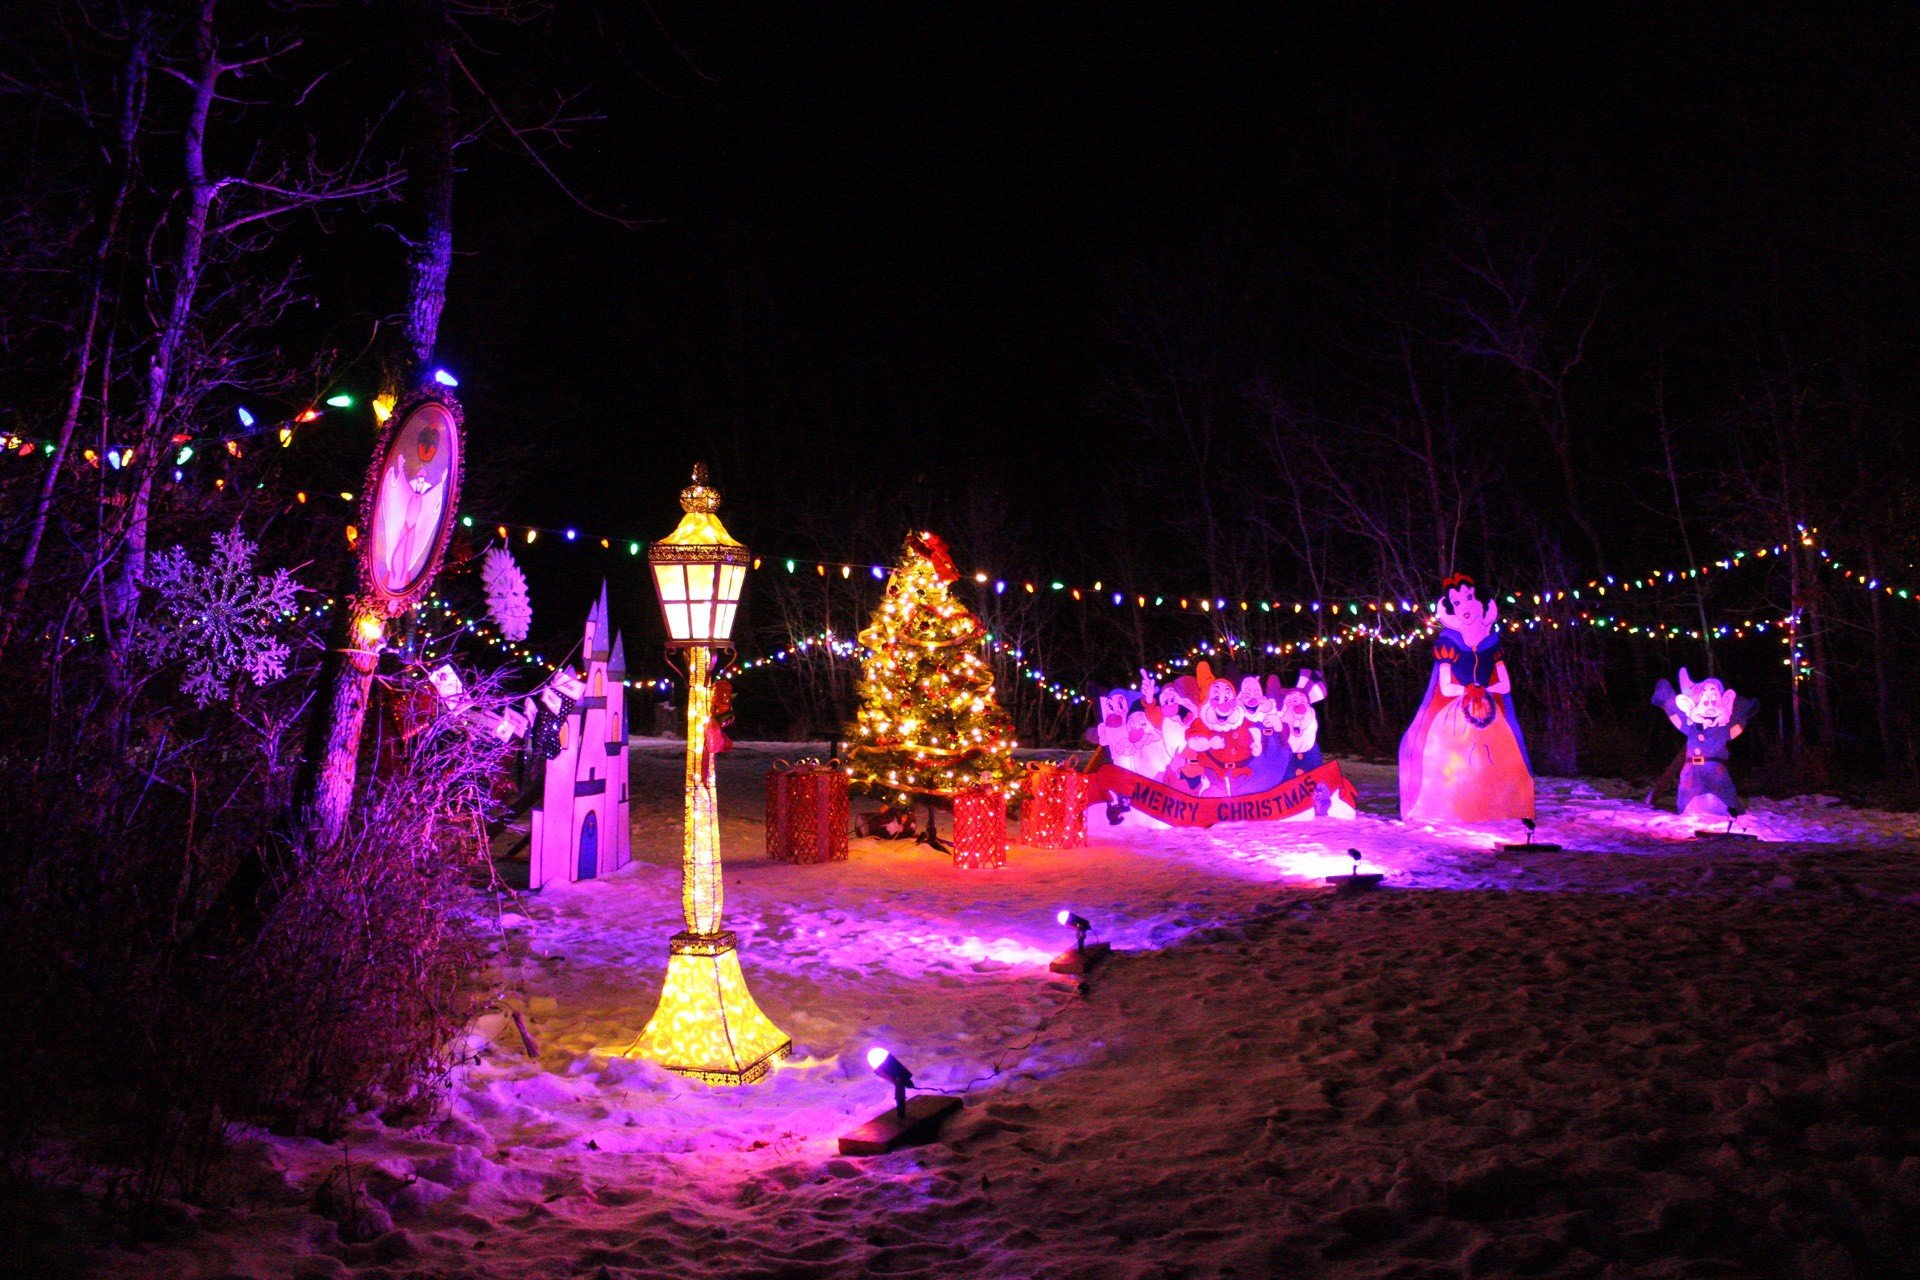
<point>222,618</point>
<point>506,589</point>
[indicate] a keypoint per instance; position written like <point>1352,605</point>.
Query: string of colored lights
<point>486,633</point>
<point>841,649</point>
<point>1865,581</point>
<point>1101,592</point>
<point>1669,577</point>
<point>187,446</point>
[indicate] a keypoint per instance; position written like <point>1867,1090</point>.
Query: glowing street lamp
<point>707,1025</point>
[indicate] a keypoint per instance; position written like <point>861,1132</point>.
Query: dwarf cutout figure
<point>1134,732</point>
<point>1298,724</point>
<point>1220,741</point>
<point>1463,758</point>
<point>1711,716</point>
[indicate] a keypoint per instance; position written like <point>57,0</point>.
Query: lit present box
<point>980,829</point>
<point>1054,814</point>
<point>807,813</point>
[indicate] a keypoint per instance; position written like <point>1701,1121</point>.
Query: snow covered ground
<point>1674,1058</point>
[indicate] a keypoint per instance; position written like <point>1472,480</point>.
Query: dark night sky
<point>883,239</point>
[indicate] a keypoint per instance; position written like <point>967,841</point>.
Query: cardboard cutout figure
<point>1133,740</point>
<point>410,505</point>
<point>1711,716</point>
<point>1298,724</point>
<point>1220,741</point>
<point>1463,758</point>
<point>580,825</point>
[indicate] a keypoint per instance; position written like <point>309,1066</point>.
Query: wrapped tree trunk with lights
<point>928,724</point>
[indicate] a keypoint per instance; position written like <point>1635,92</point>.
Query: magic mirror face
<point>412,504</point>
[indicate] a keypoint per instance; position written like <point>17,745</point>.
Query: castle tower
<point>581,824</point>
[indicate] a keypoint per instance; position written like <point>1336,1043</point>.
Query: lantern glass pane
<point>670,580</point>
<point>700,581</point>
<point>731,577</point>
<point>723,620</point>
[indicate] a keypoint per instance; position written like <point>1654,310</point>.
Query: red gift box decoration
<point>1054,814</point>
<point>807,815</point>
<point>980,829</point>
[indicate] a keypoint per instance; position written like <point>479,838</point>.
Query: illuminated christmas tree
<point>928,722</point>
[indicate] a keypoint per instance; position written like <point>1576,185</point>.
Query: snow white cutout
<point>1463,758</point>
<point>411,506</point>
<point>1712,716</point>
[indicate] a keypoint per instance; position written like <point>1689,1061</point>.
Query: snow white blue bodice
<point>1470,665</point>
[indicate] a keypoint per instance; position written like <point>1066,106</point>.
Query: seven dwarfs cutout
<point>1711,716</point>
<point>1205,749</point>
<point>1463,758</point>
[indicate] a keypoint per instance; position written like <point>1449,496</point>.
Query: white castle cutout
<point>580,826</point>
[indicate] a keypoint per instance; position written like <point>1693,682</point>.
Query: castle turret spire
<point>600,635</point>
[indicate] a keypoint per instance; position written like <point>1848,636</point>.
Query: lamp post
<point>707,1025</point>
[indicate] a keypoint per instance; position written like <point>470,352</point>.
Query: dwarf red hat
<point>1204,674</point>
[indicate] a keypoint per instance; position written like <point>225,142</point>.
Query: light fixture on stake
<point>1358,881</point>
<point>1734,813</point>
<point>891,1069</point>
<point>1085,956</point>
<point>912,1121</point>
<point>1530,846</point>
<point>707,1025</point>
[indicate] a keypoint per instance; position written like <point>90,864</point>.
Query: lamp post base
<point>708,1026</point>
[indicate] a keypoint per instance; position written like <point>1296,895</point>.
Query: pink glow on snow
<point>553,1157</point>
<point>1003,950</point>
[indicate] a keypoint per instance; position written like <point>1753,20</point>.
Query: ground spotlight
<point>891,1069</point>
<point>1357,881</point>
<point>1079,926</point>
<point>1541,847</point>
<point>1734,813</point>
<point>911,1121</point>
<point>1083,958</point>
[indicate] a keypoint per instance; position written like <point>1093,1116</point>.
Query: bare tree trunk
<point>1680,514</point>
<point>132,106</point>
<point>188,260</point>
<point>1550,410</point>
<point>431,258</point>
<point>1793,647</point>
<point>1445,539</point>
<point>346,713</point>
<point>428,263</point>
<point>1882,677</point>
<point>1814,631</point>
